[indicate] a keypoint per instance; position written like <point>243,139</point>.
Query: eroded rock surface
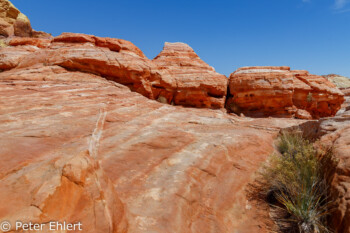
<point>278,91</point>
<point>340,81</point>
<point>15,23</point>
<point>338,135</point>
<point>177,76</point>
<point>343,83</point>
<point>78,146</point>
<point>197,83</point>
<point>334,132</point>
<point>12,21</point>
<point>174,169</point>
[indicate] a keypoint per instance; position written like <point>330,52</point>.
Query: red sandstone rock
<point>73,38</point>
<point>41,35</point>
<point>133,71</point>
<point>77,147</point>
<point>337,135</point>
<point>264,91</point>
<point>176,76</point>
<point>198,85</point>
<point>303,114</point>
<point>174,169</point>
<point>38,42</point>
<point>118,45</point>
<point>10,57</point>
<point>346,91</point>
<point>65,187</point>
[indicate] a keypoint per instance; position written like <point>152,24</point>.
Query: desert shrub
<point>296,183</point>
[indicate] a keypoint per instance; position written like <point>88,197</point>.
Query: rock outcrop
<point>337,135</point>
<point>334,132</point>
<point>197,83</point>
<point>15,23</point>
<point>343,83</point>
<point>58,186</point>
<point>12,21</point>
<point>177,76</point>
<point>81,143</point>
<point>278,91</point>
<point>174,169</point>
<point>340,81</point>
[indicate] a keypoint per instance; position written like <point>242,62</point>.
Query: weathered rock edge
<point>178,76</point>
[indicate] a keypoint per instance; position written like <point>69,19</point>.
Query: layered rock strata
<point>278,91</point>
<point>343,83</point>
<point>198,85</point>
<point>177,76</point>
<point>74,145</point>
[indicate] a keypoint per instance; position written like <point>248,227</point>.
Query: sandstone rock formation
<point>12,21</point>
<point>339,138</point>
<point>337,135</point>
<point>174,169</point>
<point>77,145</point>
<point>343,83</point>
<point>340,81</point>
<point>175,76</point>
<point>58,186</point>
<point>15,23</point>
<point>266,91</point>
<point>334,132</point>
<point>197,83</point>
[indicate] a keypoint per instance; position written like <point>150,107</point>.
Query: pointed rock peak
<point>180,55</point>
<point>177,49</point>
<point>198,85</point>
<point>177,46</point>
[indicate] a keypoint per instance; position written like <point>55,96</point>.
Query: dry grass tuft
<point>296,184</point>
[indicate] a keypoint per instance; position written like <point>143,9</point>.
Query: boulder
<point>278,91</point>
<point>197,83</point>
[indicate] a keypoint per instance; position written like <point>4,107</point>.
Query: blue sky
<point>227,34</point>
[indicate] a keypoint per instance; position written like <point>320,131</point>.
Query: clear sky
<point>227,34</point>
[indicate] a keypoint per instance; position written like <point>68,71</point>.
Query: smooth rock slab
<point>173,169</point>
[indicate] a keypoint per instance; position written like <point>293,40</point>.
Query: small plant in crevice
<point>296,184</point>
<point>309,97</point>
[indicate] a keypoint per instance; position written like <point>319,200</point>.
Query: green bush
<point>296,182</point>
